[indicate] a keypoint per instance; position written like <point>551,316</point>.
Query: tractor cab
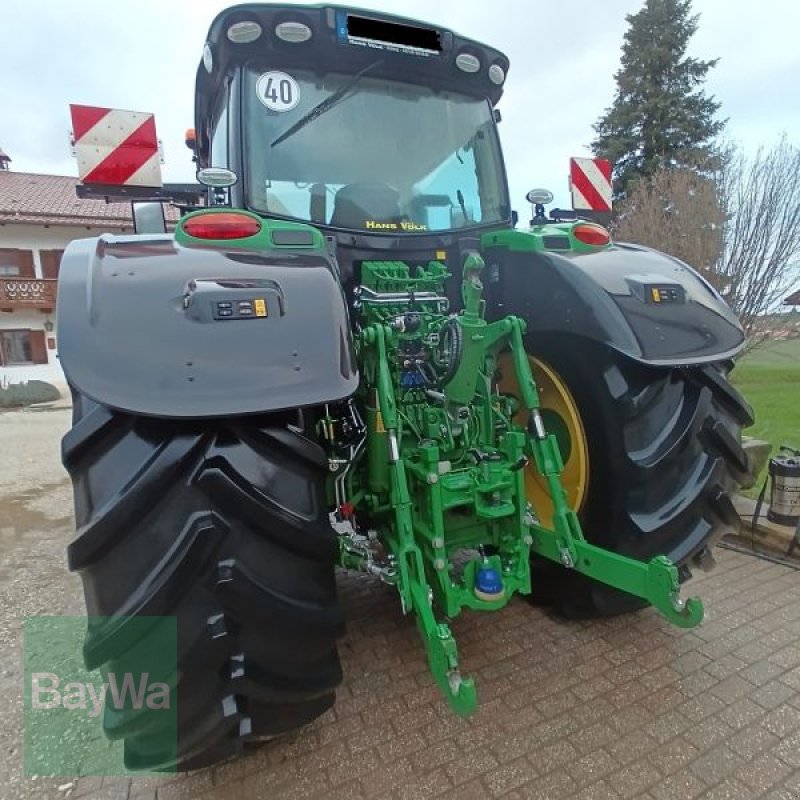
<point>358,123</point>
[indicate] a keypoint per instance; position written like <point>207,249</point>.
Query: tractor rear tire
<point>221,524</point>
<point>664,447</point>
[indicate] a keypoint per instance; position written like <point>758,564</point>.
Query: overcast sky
<point>142,55</point>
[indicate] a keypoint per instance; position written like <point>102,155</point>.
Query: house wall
<point>39,237</point>
<point>32,319</point>
<point>36,238</point>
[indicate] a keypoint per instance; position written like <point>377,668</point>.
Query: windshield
<point>370,154</point>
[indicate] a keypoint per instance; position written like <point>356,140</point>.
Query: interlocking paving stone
<point>730,790</point>
<point>680,786</point>
<point>763,773</point>
<point>774,694</point>
<point>633,780</point>
<point>716,764</point>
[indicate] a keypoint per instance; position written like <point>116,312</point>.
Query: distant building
<point>39,216</point>
<point>793,299</point>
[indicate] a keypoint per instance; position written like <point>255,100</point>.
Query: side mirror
<point>148,217</point>
<point>539,197</point>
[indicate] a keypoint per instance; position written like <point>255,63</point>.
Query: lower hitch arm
<point>664,594</point>
<point>655,581</point>
<point>443,656</point>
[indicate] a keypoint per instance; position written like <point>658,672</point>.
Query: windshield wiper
<point>326,105</point>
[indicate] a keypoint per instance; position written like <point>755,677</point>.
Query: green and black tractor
<point>351,356</point>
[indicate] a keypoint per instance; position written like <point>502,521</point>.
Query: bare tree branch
<point>760,197</point>
<point>678,211</point>
<point>740,227</point>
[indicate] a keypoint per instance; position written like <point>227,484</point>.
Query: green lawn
<point>769,377</point>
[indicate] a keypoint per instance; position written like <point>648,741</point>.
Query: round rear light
<point>221,225</point>
<point>588,233</point>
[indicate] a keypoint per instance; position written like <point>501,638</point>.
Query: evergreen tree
<point>660,116</point>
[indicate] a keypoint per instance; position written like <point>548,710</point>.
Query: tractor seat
<point>359,203</point>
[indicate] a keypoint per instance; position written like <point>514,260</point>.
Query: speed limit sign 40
<point>278,91</point>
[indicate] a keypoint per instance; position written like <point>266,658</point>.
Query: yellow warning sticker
<point>260,307</point>
<point>441,255</point>
<point>656,295</point>
<point>379,426</point>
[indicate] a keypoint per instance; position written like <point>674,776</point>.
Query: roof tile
<point>30,198</point>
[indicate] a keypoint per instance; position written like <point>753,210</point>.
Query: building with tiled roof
<point>32,199</point>
<point>39,216</point>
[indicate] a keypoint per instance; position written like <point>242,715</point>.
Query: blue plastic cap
<point>488,581</point>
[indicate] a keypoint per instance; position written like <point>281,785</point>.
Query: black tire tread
<point>223,525</point>
<point>665,455</point>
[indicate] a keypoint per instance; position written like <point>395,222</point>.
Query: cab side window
<point>219,133</point>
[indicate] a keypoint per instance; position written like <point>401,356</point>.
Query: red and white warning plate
<point>590,183</point>
<point>116,147</point>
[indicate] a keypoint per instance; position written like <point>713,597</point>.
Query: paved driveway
<point>624,708</point>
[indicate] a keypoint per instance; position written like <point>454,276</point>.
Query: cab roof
<point>344,39</point>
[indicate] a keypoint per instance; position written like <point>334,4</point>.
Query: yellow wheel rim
<point>561,418</point>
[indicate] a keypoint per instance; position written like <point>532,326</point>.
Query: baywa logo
<point>118,694</point>
<point>90,685</point>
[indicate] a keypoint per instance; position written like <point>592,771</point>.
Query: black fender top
<point>648,305</point>
<point>150,327</point>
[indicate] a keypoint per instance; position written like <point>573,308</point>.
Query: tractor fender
<point>143,326</point>
<point>608,296</point>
